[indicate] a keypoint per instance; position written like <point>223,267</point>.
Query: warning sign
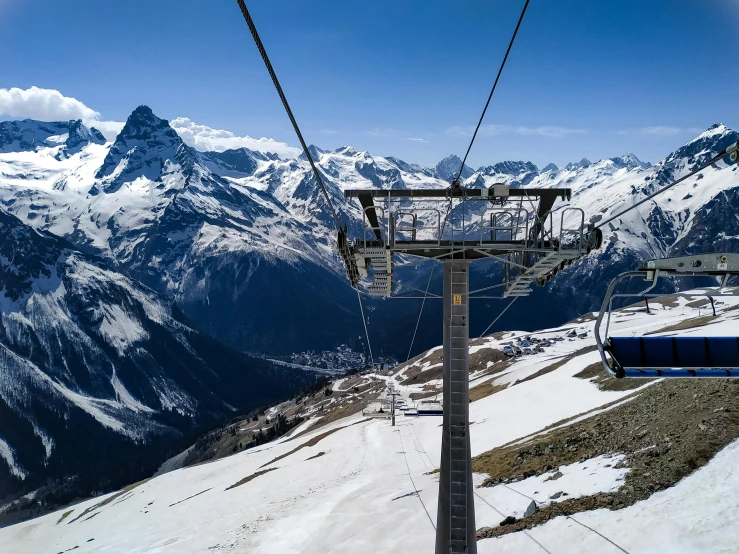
<point>457,299</point>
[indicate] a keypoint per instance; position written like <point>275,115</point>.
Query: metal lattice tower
<point>456,511</point>
<point>500,228</point>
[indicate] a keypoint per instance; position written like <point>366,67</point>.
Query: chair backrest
<point>675,352</point>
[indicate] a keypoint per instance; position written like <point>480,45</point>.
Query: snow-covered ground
<point>362,486</point>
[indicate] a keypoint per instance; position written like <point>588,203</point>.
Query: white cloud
<point>51,105</point>
<point>202,137</point>
<point>661,130</point>
<point>494,129</point>
<point>382,132</point>
<point>417,139</point>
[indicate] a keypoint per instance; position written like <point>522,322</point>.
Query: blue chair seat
<point>675,352</point>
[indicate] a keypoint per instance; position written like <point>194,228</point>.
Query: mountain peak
<point>550,167</point>
<point>630,161</point>
<point>578,165</point>
<point>315,153</point>
<point>80,134</point>
<point>346,151</point>
<point>141,149</point>
<point>142,124</point>
<point>448,168</point>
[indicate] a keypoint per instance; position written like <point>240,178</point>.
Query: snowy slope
<point>98,374</point>
<point>360,485</point>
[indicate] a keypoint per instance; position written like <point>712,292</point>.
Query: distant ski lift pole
<point>676,355</point>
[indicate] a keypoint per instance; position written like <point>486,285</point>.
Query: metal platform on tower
<point>456,226</point>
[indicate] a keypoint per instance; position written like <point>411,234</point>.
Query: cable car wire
<point>499,316</point>
<point>273,75</point>
<point>710,162</point>
<point>485,109</point>
<point>495,84</point>
<point>319,179</point>
<point>369,345</point>
<point>420,313</point>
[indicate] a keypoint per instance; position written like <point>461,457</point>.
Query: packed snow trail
<point>362,486</point>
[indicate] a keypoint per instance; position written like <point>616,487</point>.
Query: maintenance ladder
<point>456,506</point>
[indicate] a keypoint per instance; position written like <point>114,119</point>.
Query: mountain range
<point>141,276</point>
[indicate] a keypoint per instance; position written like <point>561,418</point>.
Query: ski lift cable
<point>276,82</point>
<point>730,150</point>
<point>559,509</point>
<point>415,489</point>
<point>420,313</point>
<point>495,84</point>
<point>485,109</point>
<point>544,548</point>
<point>319,179</point>
<point>369,345</point>
<point>476,494</point>
<point>499,316</point>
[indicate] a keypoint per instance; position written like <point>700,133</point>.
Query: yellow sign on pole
<point>457,299</point>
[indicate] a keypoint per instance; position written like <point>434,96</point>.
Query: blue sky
<point>585,78</point>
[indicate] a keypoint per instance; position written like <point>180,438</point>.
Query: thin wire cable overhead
<point>495,84</point>
<point>319,179</point>
<point>273,75</point>
<point>710,162</point>
<point>485,109</point>
<point>499,316</point>
<point>369,345</point>
<point>420,313</point>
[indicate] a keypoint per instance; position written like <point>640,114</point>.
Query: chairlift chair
<point>670,356</point>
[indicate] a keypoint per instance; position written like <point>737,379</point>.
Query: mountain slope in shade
<point>99,376</point>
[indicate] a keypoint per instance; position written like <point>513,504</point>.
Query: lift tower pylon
<point>480,223</point>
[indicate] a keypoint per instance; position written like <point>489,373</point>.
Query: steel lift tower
<point>480,223</point>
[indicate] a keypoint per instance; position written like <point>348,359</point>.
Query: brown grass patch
<point>596,373</point>
<point>422,395</point>
<point>666,432</point>
<point>311,442</point>
<point>107,500</point>
<point>415,375</point>
<point>64,516</point>
<point>250,478</point>
<point>687,324</point>
<point>316,456</point>
<point>483,390</point>
<point>543,371</point>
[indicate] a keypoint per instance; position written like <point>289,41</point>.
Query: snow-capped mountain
<point>99,376</point>
<point>244,242</point>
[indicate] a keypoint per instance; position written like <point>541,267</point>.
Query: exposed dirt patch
<point>64,516</point>
<point>483,390</point>
<point>422,395</point>
<point>189,497</point>
<point>414,375</point>
<point>597,374</point>
<point>311,442</point>
<point>543,371</point>
<point>667,431</point>
<point>250,478</point>
<point>483,359</point>
<point>105,502</point>
<point>687,324</point>
<point>316,456</point>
